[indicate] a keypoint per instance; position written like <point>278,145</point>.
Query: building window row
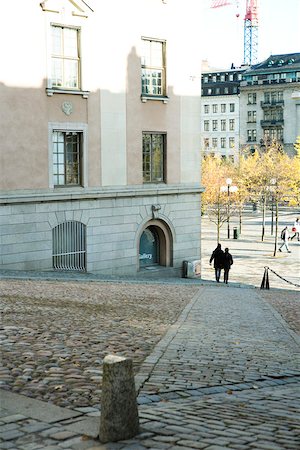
<point>220,90</point>
<point>66,62</point>
<point>222,122</point>
<point>221,77</point>
<point>215,108</point>
<point>273,97</point>
<point>273,114</point>
<point>273,134</point>
<point>67,158</point>
<point>215,142</point>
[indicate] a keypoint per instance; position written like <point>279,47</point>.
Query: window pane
<point>57,41</point>
<point>57,72</point>
<point>71,73</point>
<point>70,42</point>
<point>156,54</point>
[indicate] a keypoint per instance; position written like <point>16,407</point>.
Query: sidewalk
<point>226,375</point>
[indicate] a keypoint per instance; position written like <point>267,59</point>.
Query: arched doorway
<point>149,247</point>
<point>155,245</point>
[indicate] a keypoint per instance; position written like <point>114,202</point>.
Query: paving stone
<point>13,418</point>
<point>62,435</point>
<point>10,435</point>
<point>35,427</point>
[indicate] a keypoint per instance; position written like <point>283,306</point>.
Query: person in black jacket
<point>217,256</point>
<point>227,263</point>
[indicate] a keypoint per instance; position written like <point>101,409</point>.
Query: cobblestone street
<point>225,374</point>
<point>54,335</point>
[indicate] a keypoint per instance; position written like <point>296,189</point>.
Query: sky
<point>223,32</point>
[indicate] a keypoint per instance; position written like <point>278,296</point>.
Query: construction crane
<point>250,27</point>
<point>251,33</point>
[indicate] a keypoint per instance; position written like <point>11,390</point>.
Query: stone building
<point>100,135</point>
<point>270,102</point>
<point>220,112</point>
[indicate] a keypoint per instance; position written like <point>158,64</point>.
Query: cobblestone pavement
<point>225,375</point>
<point>54,335</point>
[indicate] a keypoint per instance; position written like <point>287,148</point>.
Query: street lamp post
<point>272,187</point>
<point>228,188</point>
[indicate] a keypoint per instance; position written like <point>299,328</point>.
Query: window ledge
<point>161,98</point>
<point>51,91</point>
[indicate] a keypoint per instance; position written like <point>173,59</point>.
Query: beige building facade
<point>100,136</point>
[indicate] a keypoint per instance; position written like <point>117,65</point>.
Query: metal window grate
<point>69,246</point>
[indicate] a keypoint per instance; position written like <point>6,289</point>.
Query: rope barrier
<point>265,281</point>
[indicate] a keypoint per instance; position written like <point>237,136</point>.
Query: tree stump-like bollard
<point>119,412</point>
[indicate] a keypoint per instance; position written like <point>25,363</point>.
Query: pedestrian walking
<point>285,239</point>
<point>296,229</point>
<point>217,256</point>
<point>227,263</point>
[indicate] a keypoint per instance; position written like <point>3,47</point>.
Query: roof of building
<point>277,62</point>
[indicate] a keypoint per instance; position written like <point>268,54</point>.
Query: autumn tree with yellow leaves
<point>214,200</point>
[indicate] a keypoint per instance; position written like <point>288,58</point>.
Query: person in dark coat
<point>217,256</point>
<point>227,263</point>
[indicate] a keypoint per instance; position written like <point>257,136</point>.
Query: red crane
<point>250,27</point>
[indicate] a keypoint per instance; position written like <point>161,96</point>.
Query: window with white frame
<point>231,142</point>
<point>223,107</point>
<point>223,124</point>
<point>65,57</point>
<point>154,155</point>
<point>231,107</point>
<point>206,109</point>
<point>251,134</point>
<point>231,124</point>
<point>215,125</point>
<point>206,125</point>
<point>67,158</point>
<point>215,142</point>
<point>153,67</point>
<point>206,142</point>
<point>223,142</point>
<point>214,108</point>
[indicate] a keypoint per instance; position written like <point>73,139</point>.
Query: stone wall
<point>114,223</point>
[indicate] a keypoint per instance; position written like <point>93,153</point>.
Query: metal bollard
<point>119,412</point>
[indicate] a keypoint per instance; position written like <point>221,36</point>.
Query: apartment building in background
<point>100,136</point>
<point>220,113</point>
<point>251,106</point>
<point>270,102</point>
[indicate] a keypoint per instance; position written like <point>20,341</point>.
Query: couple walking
<point>222,260</point>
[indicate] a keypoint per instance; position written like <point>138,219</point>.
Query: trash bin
<point>235,233</point>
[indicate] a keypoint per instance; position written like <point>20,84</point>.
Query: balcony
<point>272,123</point>
<point>271,103</point>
